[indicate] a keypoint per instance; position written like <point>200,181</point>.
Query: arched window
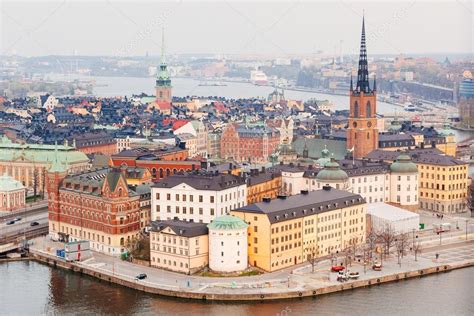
<point>356,109</point>
<point>368,135</point>
<point>153,172</point>
<point>161,173</point>
<point>368,109</point>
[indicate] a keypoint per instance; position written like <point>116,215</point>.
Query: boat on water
<point>258,77</point>
<point>212,84</point>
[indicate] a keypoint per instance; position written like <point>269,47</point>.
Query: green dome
<point>227,222</point>
<point>332,172</point>
<point>403,164</point>
<point>7,184</point>
<point>324,157</point>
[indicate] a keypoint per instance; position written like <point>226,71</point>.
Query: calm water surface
<point>29,288</point>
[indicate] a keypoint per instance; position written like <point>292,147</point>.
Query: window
<point>168,196</point>
<point>200,198</point>
<point>211,199</point>
<point>157,196</point>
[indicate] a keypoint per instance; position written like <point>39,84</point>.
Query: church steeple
<point>163,81</point>
<point>163,78</point>
<point>363,71</point>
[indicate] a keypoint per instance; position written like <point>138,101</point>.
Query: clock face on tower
<point>369,124</point>
<point>355,124</point>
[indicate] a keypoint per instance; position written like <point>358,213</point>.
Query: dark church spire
<point>363,71</point>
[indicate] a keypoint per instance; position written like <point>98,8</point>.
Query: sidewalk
<point>298,278</point>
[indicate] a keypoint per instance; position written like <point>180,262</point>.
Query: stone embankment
<point>236,294</point>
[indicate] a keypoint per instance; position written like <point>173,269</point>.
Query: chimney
<point>305,192</point>
<point>282,197</point>
<point>327,188</point>
<point>266,200</point>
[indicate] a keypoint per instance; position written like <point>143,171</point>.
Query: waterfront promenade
<point>297,281</point>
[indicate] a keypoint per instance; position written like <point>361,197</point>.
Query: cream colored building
<point>286,231</point>
<point>179,246</point>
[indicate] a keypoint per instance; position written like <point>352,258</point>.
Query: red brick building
<point>245,143</point>
<point>160,164</point>
<point>96,206</point>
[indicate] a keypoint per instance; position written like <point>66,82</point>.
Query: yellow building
<point>262,184</point>
<point>443,180</point>
<point>179,246</point>
<point>443,183</point>
<point>284,232</point>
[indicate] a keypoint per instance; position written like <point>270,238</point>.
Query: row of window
<point>184,197</point>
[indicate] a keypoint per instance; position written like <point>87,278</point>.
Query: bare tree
<point>312,257</point>
<point>417,248</point>
<point>387,238</point>
<point>402,244</point>
<point>371,244</point>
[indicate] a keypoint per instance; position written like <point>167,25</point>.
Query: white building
<point>12,194</point>
<point>199,130</point>
<point>197,197</point>
<point>374,181</point>
<point>228,244</point>
<point>381,215</point>
<point>404,182</point>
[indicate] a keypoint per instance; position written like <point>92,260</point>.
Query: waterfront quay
<point>298,281</point>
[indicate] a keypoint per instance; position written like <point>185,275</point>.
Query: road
<point>23,225</point>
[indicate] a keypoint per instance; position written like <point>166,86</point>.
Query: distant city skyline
<point>111,28</point>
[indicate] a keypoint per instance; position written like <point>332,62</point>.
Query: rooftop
<point>201,181</point>
<point>301,205</point>
<point>181,228</point>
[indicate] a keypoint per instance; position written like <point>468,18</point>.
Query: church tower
<point>362,132</point>
<point>163,81</point>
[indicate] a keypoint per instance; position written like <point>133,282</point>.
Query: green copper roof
<point>403,164</point>
<point>332,172</point>
<point>39,153</point>
<point>228,222</point>
<point>7,184</point>
<point>57,165</point>
<point>163,78</point>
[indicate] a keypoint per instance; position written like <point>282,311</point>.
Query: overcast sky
<point>231,27</point>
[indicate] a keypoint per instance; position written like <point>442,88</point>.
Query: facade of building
<point>160,164</point>
<point>96,206</point>
<point>12,194</point>
<point>362,133</point>
<point>199,131</point>
<point>442,180</point>
<point>97,142</point>
<point>179,246</point>
<point>197,197</point>
<point>214,145</point>
<point>245,143</point>
<point>27,162</point>
<point>263,184</point>
<point>466,100</point>
<point>286,231</point>
<point>228,244</point>
<point>404,182</point>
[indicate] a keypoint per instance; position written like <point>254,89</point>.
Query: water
<point>121,86</point>
<point>30,288</point>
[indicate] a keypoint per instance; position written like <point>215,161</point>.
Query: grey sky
<point>264,27</point>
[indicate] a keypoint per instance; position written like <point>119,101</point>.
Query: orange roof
<point>179,123</point>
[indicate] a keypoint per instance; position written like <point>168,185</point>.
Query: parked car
<point>34,224</point>
<point>337,268</point>
<point>141,276</point>
<point>10,222</point>
<point>17,219</point>
<point>377,266</point>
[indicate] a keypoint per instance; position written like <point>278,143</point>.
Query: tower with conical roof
<point>362,132</point>
<point>56,173</point>
<point>163,81</point>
